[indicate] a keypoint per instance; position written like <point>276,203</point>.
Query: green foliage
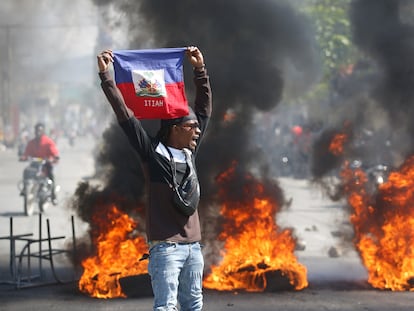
<point>333,32</point>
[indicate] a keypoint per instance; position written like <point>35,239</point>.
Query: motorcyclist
<point>42,146</point>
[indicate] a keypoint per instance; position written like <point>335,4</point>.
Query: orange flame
<point>117,255</point>
<point>384,227</point>
<point>337,144</point>
<point>253,243</point>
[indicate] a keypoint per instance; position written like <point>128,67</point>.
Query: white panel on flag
<point>149,83</point>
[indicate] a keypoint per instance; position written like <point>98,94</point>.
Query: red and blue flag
<point>152,82</point>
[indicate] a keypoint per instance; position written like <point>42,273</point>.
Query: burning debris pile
<point>384,231</point>
<point>382,220</point>
<point>114,210</point>
<point>117,254</point>
<point>254,247</point>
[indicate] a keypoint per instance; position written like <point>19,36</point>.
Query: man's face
<point>39,131</point>
<point>188,134</point>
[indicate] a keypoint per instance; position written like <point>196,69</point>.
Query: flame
<point>253,243</point>
<point>117,254</point>
<point>337,144</point>
<point>384,226</point>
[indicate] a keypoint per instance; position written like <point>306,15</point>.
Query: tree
<point>333,32</point>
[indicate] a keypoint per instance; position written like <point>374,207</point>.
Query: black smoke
<point>250,47</point>
<point>381,31</point>
<point>381,99</point>
<point>247,46</point>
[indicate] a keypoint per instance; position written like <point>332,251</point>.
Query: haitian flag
<point>152,82</point>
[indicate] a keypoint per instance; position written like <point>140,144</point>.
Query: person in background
<point>42,146</point>
<point>175,258</point>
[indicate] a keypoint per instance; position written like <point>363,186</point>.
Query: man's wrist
<point>200,68</point>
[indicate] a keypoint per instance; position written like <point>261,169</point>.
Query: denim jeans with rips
<point>176,272</point>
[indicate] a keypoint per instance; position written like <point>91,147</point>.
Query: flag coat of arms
<point>152,82</point>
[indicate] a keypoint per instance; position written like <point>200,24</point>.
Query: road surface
<point>335,282</point>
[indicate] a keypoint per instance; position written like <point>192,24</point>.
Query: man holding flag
<point>149,84</point>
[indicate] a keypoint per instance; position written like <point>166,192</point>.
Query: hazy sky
<point>45,39</point>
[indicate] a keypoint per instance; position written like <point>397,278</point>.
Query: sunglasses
<point>191,126</point>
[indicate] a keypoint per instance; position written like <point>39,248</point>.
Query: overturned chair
<point>24,271</point>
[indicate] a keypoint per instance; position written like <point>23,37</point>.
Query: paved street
<point>335,283</point>
<point>75,164</point>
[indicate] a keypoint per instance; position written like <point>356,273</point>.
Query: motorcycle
<point>36,187</point>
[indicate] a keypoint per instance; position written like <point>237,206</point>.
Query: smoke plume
<point>379,94</point>
<point>250,50</point>
<point>381,31</point>
<point>246,49</point>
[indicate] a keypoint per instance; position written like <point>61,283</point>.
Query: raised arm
<point>112,93</point>
<point>203,99</point>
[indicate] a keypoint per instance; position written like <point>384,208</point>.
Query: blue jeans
<point>176,272</point>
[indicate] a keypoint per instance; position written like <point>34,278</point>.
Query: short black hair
<point>39,124</point>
